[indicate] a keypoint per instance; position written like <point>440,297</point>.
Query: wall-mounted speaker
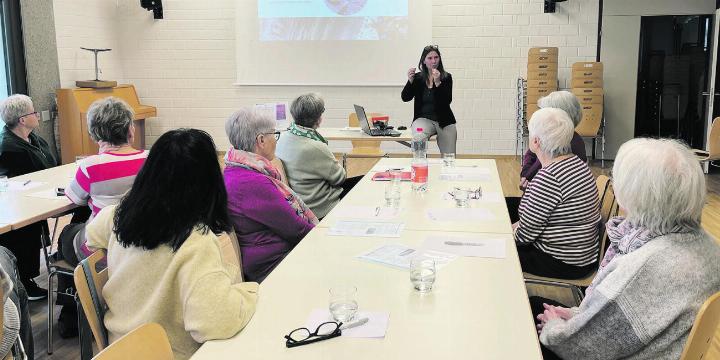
<point>550,6</point>
<point>155,6</point>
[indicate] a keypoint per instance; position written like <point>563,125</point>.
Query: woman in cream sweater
<point>164,260</point>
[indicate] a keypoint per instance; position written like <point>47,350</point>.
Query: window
<point>12,53</point>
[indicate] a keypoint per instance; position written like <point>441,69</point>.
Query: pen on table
<point>377,211</point>
<point>462,243</point>
<point>355,323</point>
<point>27,182</point>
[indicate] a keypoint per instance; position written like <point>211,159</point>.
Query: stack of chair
<point>542,74</point>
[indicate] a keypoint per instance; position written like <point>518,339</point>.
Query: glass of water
<point>392,190</point>
<point>343,302</point>
<point>422,273</point>
<point>449,160</point>
<point>4,183</point>
<point>461,197</point>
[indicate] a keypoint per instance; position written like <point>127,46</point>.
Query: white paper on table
<point>46,194</point>
<point>399,256</point>
<point>466,245</point>
<point>351,128</point>
<point>491,196</point>
<point>465,173</point>
<point>434,161</point>
<point>376,327</point>
<point>459,214</point>
<point>15,185</point>
<point>367,212</point>
<point>366,228</point>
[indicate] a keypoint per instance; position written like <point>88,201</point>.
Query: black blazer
<point>443,98</point>
<point>18,157</point>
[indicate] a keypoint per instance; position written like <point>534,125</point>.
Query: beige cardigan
<point>191,293</point>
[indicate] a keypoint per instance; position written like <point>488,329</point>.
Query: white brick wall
<point>184,64</point>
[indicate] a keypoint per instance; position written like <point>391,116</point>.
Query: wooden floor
<point>509,169</point>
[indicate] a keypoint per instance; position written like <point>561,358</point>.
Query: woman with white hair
<point>563,100</point>
<point>659,269</point>
<point>310,166</point>
<point>557,235</point>
<point>101,180</point>
<point>21,152</point>
<point>268,217</point>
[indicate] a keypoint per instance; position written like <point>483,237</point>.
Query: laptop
<point>368,128</point>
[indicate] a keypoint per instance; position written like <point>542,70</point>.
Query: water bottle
<point>419,174</point>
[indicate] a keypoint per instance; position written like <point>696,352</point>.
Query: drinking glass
<point>461,197</point>
<point>4,183</point>
<point>449,160</point>
<point>422,273</point>
<point>343,302</point>
<point>392,190</point>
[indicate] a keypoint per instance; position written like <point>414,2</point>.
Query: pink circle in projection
<point>345,7</point>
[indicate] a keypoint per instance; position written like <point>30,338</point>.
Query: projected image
<point>309,20</point>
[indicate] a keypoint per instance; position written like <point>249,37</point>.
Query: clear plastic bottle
<point>419,165</point>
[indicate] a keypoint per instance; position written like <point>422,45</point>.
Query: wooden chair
<point>704,329</point>
<point>608,208</point>
<point>278,164</point>
<point>230,248</point>
<point>89,283</point>
<point>148,341</point>
<point>713,151</point>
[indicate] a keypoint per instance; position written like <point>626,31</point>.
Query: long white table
<point>18,209</point>
<point>478,307</point>
<point>414,206</point>
<point>4,228</point>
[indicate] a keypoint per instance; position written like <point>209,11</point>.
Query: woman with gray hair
<point>557,234</point>
<point>659,269</point>
<point>101,180</point>
<point>310,166</point>
<point>268,217</point>
<point>22,151</point>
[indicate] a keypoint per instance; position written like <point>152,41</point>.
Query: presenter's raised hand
<point>436,76</point>
<point>411,74</point>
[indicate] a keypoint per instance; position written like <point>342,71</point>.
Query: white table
<point>414,206</point>
<point>478,307</point>
<point>4,228</point>
<point>18,209</point>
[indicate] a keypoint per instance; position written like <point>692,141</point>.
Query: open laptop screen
<point>362,119</point>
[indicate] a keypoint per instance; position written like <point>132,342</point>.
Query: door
<point>673,73</point>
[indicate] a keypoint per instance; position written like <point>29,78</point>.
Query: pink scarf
<point>257,163</point>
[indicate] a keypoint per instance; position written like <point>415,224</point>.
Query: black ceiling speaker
<point>155,6</point>
<point>550,5</point>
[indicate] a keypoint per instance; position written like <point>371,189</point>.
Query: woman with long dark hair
<point>164,259</point>
<point>431,88</point>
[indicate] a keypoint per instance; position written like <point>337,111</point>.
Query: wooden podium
<point>73,105</point>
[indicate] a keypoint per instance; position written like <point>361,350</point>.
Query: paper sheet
<point>367,212</point>
<point>399,256</point>
<point>467,245</point>
<point>366,228</point>
<point>459,214</point>
<point>465,173</point>
<point>15,185</point>
<point>351,128</point>
<point>376,327</point>
<point>47,194</point>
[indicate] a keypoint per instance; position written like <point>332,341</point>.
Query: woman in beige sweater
<point>164,260</point>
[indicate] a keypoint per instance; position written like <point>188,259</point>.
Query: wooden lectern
<point>73,105</point>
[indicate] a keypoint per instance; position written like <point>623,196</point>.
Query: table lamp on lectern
<point>97,83</point>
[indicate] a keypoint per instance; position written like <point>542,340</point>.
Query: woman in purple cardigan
<point>269,218</point>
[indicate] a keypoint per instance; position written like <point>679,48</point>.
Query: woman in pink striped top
<point>101,179</point>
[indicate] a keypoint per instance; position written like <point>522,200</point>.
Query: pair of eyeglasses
<point>276,133</point>
<point>303,336</point>
<point>28,114</point>
<point>431,47</point>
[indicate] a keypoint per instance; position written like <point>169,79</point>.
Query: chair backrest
<point>703,330</point>
<point>230,248</point>
<point>278,164</point>
<point>714,140</point>
<point>591,121</point>
<point>363,147</point>
<point>148,341</point>
<point>89,284</point>
<point>608,209</point>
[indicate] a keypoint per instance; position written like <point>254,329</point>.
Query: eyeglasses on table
<point>303,336</point>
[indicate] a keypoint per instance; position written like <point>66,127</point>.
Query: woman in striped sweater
<point>557,235</point>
